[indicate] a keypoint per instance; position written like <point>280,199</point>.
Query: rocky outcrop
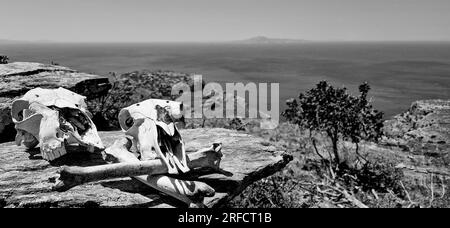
<point>424,128</point>
<point>19,77</point>
<point>26,179</point>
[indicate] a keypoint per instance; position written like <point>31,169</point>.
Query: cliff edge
<point>424,128</point>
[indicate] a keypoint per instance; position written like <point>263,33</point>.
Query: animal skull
<point>52,119</point>
<point>151,124</point>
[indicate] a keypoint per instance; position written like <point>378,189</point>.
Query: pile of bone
<point>56,118</point>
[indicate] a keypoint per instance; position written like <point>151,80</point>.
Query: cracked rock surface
<point>26,179</point>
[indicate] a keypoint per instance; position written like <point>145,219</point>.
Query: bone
<point>190,192</point>
<point>52,146</point>
<point>72,176</point>
<point>129,165</point>
<point>151,123</point>
<point>53,119</point>
<point>145,134</point>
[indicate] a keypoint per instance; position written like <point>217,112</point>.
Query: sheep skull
<point>151,124</point>
<point>52,119</point>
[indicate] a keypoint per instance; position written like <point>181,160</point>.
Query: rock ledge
<point>26,180</point>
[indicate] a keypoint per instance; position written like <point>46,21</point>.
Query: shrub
<point>272,192</point>
<point>336,113</point>
<point>4,59</point>
<point>236,124</point>
<point>379,175</point>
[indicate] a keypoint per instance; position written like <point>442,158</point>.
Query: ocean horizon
<point>398,72</point>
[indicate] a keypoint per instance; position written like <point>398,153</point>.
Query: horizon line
<point>247,41</point>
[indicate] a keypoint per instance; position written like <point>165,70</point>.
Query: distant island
<point>267,40</point>
<point>5,41</point>
<point>253,40</point>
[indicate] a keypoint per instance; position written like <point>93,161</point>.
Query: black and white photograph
<point>225,104</point>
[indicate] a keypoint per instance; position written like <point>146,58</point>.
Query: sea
<point>398,72</point>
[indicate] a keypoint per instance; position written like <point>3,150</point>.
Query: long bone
<point>206,159</point>
<point>189,192</point>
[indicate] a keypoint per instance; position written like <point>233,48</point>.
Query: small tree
<point>336,113</point>
<point>3,59</point>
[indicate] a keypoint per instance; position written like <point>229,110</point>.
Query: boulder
<point>19,77</point>
<point>26,179</point>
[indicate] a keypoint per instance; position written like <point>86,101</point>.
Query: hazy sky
<point>214,20</point>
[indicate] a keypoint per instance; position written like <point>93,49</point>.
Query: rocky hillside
<point>19,77</point>
<point>412,165</point>
<point>424,128</point>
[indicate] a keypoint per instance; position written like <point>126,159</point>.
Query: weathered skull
<point>52,119</point>
<point>151,123</point>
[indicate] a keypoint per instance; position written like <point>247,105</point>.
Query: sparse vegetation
<point>4,59</point>
<point>326,172</point>
<point>129,89</point>
<point>236,124</point>
<point>308,182</point>
<point>360,177</point>
<point>336,113</point>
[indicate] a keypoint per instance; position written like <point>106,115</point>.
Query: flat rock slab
<point>19,77</point>
<point>26,179</point>
<point>21,68</point>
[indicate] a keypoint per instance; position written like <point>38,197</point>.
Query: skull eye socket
<point>20,115</point>
<point>129,122</point>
